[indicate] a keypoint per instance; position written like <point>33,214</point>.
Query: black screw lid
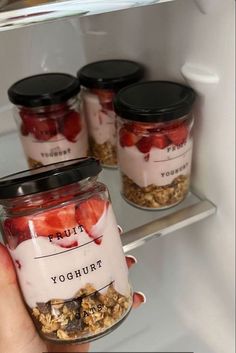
<point>112,74</point>
<point>48,177</point>
<point>43,89</point>
<point>154,101</point>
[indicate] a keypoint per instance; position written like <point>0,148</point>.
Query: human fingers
<point>130,260</point>
<point>17,332</point>
<point>139,298</point>
<point>68,348</point>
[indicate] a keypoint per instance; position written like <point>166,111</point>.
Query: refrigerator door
<point>188,276</point>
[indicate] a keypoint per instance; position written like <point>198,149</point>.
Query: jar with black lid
<point>59,227</point>
<point>101,81</point>
<point>47,113</point>
<point>155,142</point>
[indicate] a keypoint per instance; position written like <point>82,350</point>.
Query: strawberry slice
<point>28,121</point>
<point>16,231</point>
<point>107,106</point>
<point>178,135</point>
<point>145,144</point>
<point>54,221</point>
<point>69,245</point>
<point>104,95</point>
<point>127,138</point>
<point>160,141</point>
<point>71,126</point>
<point>44,129</point>
<point>88,213</point>
<point>140,128</point>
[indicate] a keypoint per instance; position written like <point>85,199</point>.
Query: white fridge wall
<point>188,276</point>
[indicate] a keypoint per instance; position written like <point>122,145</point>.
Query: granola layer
<point>106,152</point>
<point>154,196</point>
<point>33,163</point>
<point>87,314</point>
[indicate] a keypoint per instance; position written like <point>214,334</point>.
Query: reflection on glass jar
<point>61,232</point>
<point>47,112</point>
<point>155,142</point>
<point>101,81</point>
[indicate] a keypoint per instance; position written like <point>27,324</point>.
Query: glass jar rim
<point>48,177</point>
<point>154,101</point>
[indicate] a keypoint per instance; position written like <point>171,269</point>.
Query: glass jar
<point>155,142</point>
<point>100,81</point>
<point>58,224</point>
<point>47,113</point>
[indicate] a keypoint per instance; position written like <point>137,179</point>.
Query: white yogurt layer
<point>56,149</point>
<point>101,125</point>
<point>158,167</point>
<point>60,275</point>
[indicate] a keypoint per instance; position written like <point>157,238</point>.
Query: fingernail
<point>120,229</point>
<point>132,259</point>
<point>141,296</point>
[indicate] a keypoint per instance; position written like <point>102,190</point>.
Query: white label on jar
<point>101,122</point>
<point>159,167</point>
<point>56,149</point>
<point>54,267</point>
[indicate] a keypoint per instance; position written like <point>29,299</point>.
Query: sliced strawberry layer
<point>47,224</point>
<point>89,212</point>
<point>60,225</point>
<point>43,128</point>
<point>145,136</point>
<point>71,126</point>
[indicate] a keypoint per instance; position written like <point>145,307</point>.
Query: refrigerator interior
<point>188,275</point>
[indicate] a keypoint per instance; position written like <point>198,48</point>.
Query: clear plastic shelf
<point>21,13</point>
<point>139,226</point>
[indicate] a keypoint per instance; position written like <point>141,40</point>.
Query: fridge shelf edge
<point>15,14</point>
<point>138,236</point>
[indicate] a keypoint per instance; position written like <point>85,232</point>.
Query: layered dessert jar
<point>58,224</point>
<point>47,113</point>
<point>155,142</point>
<point>101,81</point>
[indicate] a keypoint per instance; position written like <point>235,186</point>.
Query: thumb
<point>17,332</point>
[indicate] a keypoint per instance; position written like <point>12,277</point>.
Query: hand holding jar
<point>60,230</point>
<point>17,331</point>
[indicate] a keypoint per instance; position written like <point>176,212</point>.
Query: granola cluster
<point>88,313</point>
<point>106,152</point>
<point>154,196</point>
<point>33,163</point>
